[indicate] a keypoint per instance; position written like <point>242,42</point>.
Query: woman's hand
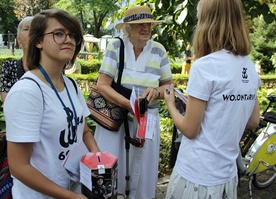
<point>151,94</point>
<point>169,95</point>
<point>104,86</point>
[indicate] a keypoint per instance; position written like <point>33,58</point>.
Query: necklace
<point>66,109</point>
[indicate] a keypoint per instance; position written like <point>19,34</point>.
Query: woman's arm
<point>6,78</point>
<point>104,86</point>
<point>3,96</point>
<point>156,93</point>
<point>19,163</point>
<point>254,119</point>
<point>89,140</point>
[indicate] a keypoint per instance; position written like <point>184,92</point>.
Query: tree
<point>94,13</point>
<point>179,20</point>
<point>100,13</point>
<point>23,8</point>
<point>8,21</point>
<point>13,11</point>
<point>263,40</point>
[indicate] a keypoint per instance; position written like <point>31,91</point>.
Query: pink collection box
<point>98,175</point>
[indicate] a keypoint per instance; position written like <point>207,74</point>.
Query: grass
<point>6,51</point>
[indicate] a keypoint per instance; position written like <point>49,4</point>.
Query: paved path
<point>243,193</point>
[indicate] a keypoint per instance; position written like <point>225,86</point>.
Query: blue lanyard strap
<point>68,94</point>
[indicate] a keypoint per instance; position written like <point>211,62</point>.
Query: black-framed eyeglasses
<point>60,36</point>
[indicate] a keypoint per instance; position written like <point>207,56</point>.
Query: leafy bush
<point>176,67</point>
<point>166,126</point>
<point>264,46</point>
<point>90,66</point>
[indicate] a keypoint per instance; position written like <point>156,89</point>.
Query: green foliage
<point>179,20</point>
<point>8,21</point>
<point>90,66</point>
<point>100,55</point>
<point>176,67</point>
<point>255,8</point>
<point>263,92</point>
<point>165,145</point>
<point>91,77</point>
<point>94,13</point>
<point>273,59</point>
<point>264,46</point>
<point>30,7</point>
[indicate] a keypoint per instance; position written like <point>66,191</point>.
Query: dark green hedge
<point>90,71</point>
<point>94,65</point>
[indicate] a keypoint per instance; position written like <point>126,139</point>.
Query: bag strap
<point>121,60</point>
<point>128,139</point>
<point>74,83</point>
<point>20,70</point>
<point>29,78</point>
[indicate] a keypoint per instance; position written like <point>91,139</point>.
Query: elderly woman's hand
<point>151,94</point>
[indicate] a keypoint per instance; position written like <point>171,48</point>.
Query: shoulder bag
<point>105,113</point>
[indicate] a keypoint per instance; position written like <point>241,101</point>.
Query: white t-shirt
<point>41,119</point>
<point>229,84</point>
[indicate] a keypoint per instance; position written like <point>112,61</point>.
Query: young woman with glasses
<point>44,112</point>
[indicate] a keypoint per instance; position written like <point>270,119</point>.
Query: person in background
<point>146,69</point>
<point>9,73</point>
<point>45,111</point>
<point>222,102</point>
<point>188,57</point>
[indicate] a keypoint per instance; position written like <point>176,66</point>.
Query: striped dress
<point>149,70</point>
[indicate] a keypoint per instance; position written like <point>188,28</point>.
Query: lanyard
<point>68,94</point>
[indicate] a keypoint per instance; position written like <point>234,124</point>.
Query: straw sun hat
<point>138,14</point>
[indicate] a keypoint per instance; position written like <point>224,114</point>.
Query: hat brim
<point>154,22</point>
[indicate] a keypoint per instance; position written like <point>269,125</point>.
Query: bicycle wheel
<point>265,178</point>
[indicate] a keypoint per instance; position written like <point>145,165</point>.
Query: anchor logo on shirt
<point>66,140</point>
<point>244,76</point>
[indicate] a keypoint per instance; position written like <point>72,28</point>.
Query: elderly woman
<point>12,70</point>
<point>147,70</point>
